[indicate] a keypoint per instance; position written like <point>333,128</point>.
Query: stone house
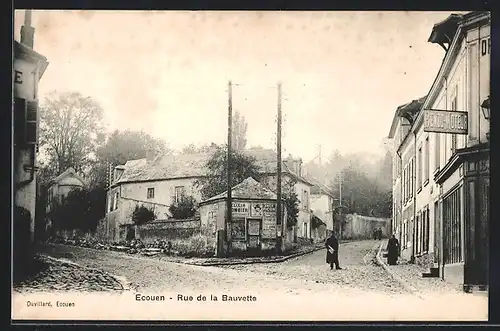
<point>157,182</point>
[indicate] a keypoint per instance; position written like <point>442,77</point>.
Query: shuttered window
<point>25,121</point>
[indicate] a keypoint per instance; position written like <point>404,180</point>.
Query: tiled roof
<point>321,189</point>
<point>165,167</point>
<point>247,189</point>
<point>68,172</point>
<point>193,165</point>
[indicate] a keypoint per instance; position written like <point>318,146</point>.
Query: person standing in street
<point>332,252</point>
<point>392,251</point>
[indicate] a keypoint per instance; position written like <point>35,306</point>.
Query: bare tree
<point>71,129</point>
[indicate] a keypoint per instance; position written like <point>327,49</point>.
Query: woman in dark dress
<point>392,251</point>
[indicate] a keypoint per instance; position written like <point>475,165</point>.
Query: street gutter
<point>236,262</point>
<point>408,287</point>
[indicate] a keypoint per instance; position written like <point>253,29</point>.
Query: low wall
<point>362,227</point>
<point>167,230</point>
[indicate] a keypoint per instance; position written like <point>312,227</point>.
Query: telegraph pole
<point>340,205</point>
<point>278,169</point>
<point>229,205</point>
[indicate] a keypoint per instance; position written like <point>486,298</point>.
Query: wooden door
<point>254,232</point>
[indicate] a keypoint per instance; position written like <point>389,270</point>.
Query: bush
<point>199,245</point>
<point>183,209</point>
<point>142,215</point>
<point>80,210</point>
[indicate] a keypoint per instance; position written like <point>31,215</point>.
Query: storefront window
<point>452,236</point>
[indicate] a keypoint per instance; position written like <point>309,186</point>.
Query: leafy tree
<point>185,208</point>
<point>239,132</point>
<point>215,182</point>
<point>122,146</point>
<point>292,202</point>
<point>71,129</point>
<point>142,214</point>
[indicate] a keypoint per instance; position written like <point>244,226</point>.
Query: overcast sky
<point>343,73</point>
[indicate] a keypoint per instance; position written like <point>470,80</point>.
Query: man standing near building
<point>332,252</point>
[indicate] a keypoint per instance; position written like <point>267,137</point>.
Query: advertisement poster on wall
<point>256,210</point>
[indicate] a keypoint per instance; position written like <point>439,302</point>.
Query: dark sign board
<point>444,121</point>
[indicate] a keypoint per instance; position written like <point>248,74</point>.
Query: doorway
<point>254,230</point>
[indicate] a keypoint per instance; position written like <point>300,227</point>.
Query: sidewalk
<point>410,276</point>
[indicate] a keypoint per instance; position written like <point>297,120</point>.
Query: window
<point>405,184</point>
<point>452,241</point>
<point>405,234</point>
<point>115,201</point>
<point>151,193</point>
<point>418,246</point>
<point>419,167</point>
<point>437,151</point>
<point>304,229</point>
<point>412,177</point>
<point>426,224</point>
<point>427,160</point>
<point>180,191</point>
<point>111,198</point>
<point>306,200</point>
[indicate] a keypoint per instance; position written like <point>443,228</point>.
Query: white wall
<point>321,204</point>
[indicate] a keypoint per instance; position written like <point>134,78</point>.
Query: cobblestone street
<point>363,290</point>
<point>306,273</point>
<point>358,260</point>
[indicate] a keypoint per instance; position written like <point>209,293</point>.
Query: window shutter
<point>19,120</point>
<point>31,126</point>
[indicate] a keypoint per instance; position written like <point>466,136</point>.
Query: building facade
<point>322,201</point>
<point>28,68</point>
<point>444,163</point>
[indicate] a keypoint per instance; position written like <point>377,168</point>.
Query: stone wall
<point>167,230</point>
<point>362,227</point>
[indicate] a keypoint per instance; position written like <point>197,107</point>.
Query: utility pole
<point>278,170</point>
<point>229,204</point>
<point>340,205</point>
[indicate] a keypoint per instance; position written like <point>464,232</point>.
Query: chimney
<point>27,31</point>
